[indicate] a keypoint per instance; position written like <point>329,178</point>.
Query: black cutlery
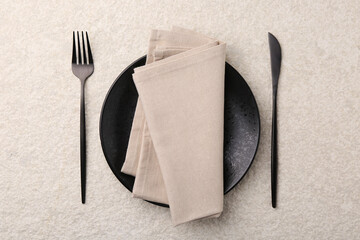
<point>275,59</point>
<point>82,67</point>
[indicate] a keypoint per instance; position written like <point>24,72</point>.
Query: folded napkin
<point>175,148</point>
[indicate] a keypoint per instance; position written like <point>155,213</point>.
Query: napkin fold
<point>175,148</point>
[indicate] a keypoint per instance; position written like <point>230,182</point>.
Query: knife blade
<point>275,60</point>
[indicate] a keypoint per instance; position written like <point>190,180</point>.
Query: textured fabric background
<point>319,127</point>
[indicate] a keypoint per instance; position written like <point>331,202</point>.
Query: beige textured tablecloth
<point>318,117</point>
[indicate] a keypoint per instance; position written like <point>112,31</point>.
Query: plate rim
<point>102,137</point>
<point>259,133</point>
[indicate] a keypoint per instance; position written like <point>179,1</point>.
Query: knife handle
<point>274,155</point>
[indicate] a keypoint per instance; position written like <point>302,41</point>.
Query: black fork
<point>82,67</point>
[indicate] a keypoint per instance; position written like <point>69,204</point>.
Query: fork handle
<point>82,143</point>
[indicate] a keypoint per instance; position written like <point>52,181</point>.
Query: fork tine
<point>79,47</point>
<point>74,50</point>
<point>89,50</point>
<point>83,44</point>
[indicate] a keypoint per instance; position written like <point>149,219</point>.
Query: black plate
<point>241,125</point>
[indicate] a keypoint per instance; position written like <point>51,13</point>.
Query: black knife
<point>275,59</point>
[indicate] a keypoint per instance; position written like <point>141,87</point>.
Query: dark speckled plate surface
<point>241,125</point>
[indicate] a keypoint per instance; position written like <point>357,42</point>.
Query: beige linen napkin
<point>176,142</point>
